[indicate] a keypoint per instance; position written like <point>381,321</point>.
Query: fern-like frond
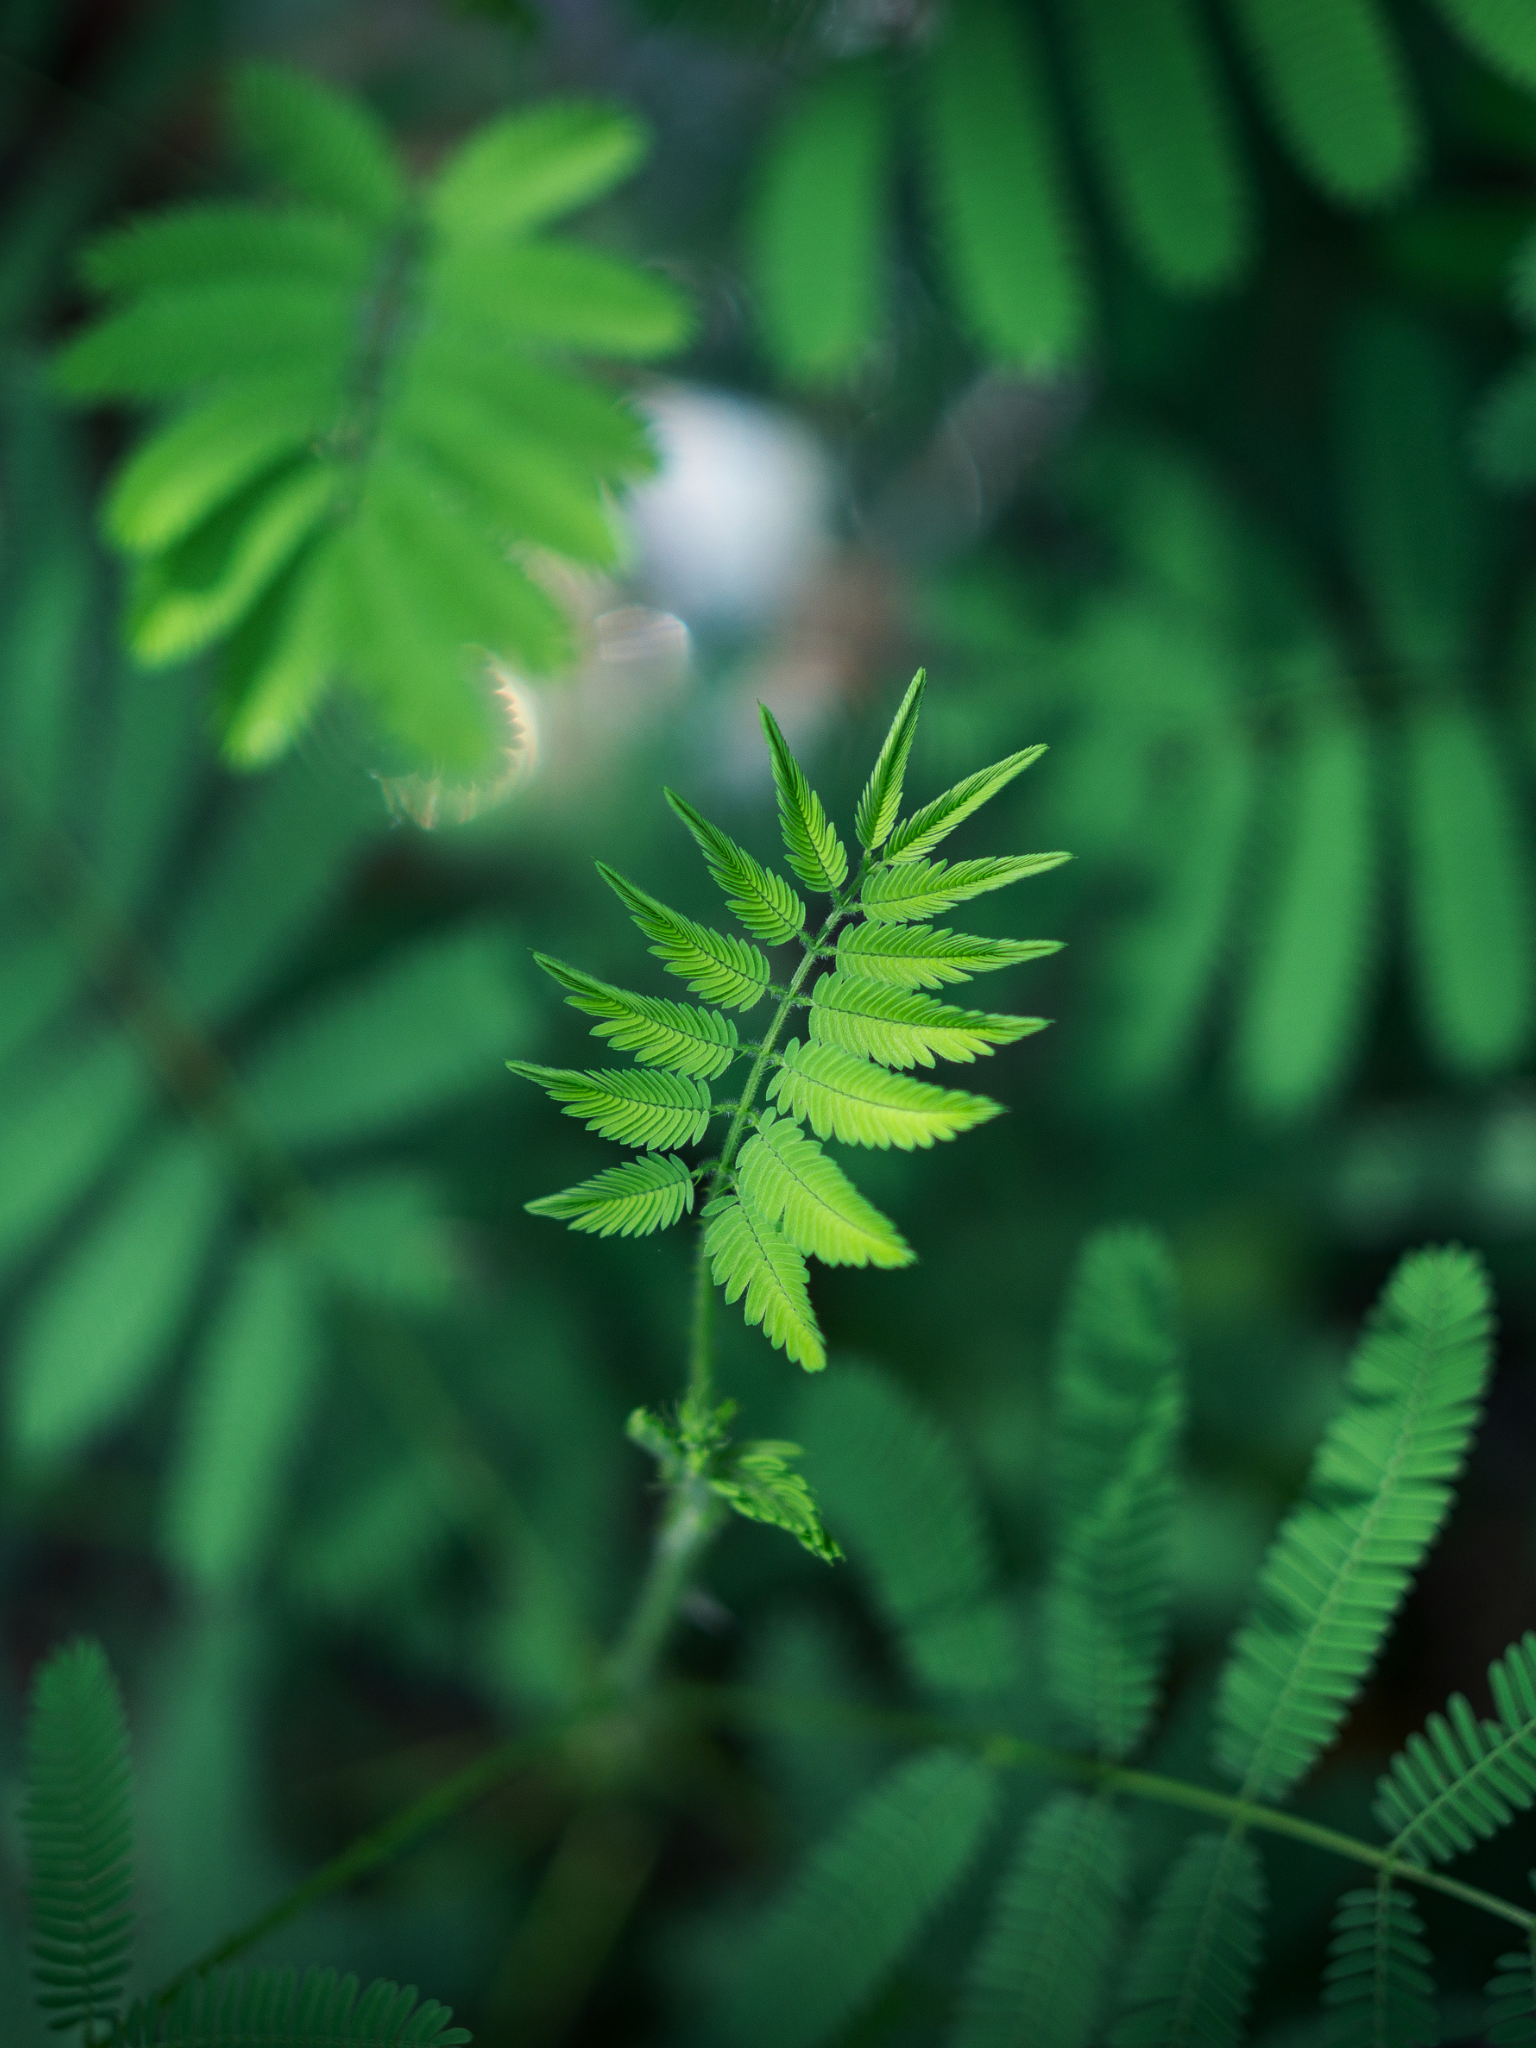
<point>914,956</point>
<point>880,802</point>
<point>1380,1487</point>
<point>763,901</point>
<point>811,845</point>
<point>1512,1999</point>
<point>759,1481</point>
<point>789,1179</point>
<point>852,1099</point>
<point>912,889</point>
<point>1191,1972</point>
<point>749,1256</point>
<point>652,1110</point>
<point>920,833</point>
<point>281,2009</point>
<point>630,1200</point>
<point>902,1500</point>
<point>1042,1970</point>
<point>715,965</point>
<point>1377,1986</point>
<point>1107,1598</point>
<point>659,1033</point>
<point>77,1824</point>
<point>346,495</point>
<point>1464,1779</point>
<point>1116,1365</point>
<point>862,1899</point>
<point>901,1028</point>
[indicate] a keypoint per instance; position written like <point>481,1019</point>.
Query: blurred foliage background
<point>1158,375</point>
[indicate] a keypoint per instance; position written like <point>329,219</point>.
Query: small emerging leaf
<point>881,801</point>
<point>632,1200</point>
<point>758,1483</point>
<point>763,901</point>
<point>811,846</point>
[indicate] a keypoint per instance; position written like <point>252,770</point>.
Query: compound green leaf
<point>845,1097</point>
<point>912,889</point>
<point>1377,1987</point>
<point>1042,1970</point>
<point>997,191</point>
<point>901,1028</point>
<point>922,832</point>
<point>1465,1779</point>
<point>77,1824</point>
<point>66,1111</point>
<point>654,1111</point>
<point>267,2007</point>
<point>786,1177</point>
<point>759,1481</point>
<point>632,1200</point>
<point>659,1033</point>
<point>900,1497</point>
<point>763,901</point>
<point>913,956</point>
<point>1379,1490</point>
<point>1512,2000</point>
<point>749,1256</point>
<point>881,799</point>
<point>1191,1974</point>
<point>811,846</point>
<point>716,966</point>
<point>819,227</point>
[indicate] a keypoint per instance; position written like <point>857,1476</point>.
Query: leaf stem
<point>1010,1752</point>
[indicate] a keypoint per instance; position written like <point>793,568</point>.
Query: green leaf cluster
<point>1149,107</point>
<point>774,1196</point>
<point>368,430</point>
<point>1082,1939</point>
